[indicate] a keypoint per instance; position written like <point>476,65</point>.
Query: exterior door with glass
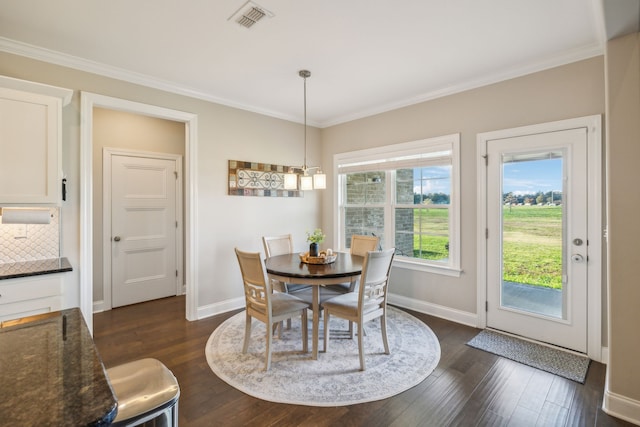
<point>537,236</point>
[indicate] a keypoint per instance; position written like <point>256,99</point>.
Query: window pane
<point>365,188</point>
<point>364,221</point>
<point>407,194</point>
<point>426,185</point>
<point>423,233</point>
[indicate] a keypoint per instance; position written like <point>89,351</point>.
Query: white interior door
<point>537,248</point>
<point>143,228</point>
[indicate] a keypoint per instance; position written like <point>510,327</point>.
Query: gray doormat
<point>558,362</point>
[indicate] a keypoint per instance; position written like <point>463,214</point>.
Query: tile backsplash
<point>30,242</point>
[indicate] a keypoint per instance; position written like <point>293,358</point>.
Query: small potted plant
<point>314,240</point>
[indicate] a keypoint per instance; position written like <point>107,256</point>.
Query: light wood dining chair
<point>266,306</point>
<point>360,245</point>
<point>281,245</point>
<point>370,302</point>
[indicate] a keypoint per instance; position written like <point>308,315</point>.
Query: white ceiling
<point>365,56</point>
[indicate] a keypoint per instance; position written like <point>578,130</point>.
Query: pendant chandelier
<point>318,180</point>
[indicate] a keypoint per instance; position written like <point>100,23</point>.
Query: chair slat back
<point>277,245</point>
<point>256,290</point>
<point>360,245</point>
<point>375,277</point>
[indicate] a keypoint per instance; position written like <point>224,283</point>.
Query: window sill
<point>408,264</point>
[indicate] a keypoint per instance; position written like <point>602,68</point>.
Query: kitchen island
<point>51,373</point>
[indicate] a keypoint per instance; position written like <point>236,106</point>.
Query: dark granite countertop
<point>51,373</point>
<point>12,270</point>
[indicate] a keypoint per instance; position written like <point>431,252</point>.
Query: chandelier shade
<point>300,174</point>
<point>291,181</point>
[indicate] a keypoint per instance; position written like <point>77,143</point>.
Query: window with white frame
<point>408,195</point>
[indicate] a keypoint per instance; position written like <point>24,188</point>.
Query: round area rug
<point>334,379</point>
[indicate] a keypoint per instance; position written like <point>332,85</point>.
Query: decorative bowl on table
<point>322,258</point>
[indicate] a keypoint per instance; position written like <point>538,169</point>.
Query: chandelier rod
<point>304,74</point>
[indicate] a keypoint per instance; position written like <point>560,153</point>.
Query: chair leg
<point>247,334</point>
<point>361,346</point>
<point>383,329</point>
<point>278,327</point>
<point>326,330</point>
<point>267,364</point>
<point>305,331</point>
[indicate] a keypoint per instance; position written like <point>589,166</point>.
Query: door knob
<point>116,239</point>
<point>577,258</point>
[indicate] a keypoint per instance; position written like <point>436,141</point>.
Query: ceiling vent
<point>250,13</point>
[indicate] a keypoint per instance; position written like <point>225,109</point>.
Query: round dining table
<point>290,269</point>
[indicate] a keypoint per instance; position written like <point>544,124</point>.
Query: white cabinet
<point>29,296</point>
<point>30,142</point>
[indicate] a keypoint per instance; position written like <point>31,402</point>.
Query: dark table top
<point>289,265</point>
<point>51,373</point>
<point>12,270</point>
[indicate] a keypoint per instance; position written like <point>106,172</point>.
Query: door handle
<point>577,258</point>
<point>116,239</point>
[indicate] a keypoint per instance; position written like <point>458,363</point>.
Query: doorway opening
<point>89,101</point>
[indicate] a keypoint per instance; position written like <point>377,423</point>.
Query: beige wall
<point>565,92</point>
<point>117,129</point>
<point>623,107</point>
<point>223,133</point>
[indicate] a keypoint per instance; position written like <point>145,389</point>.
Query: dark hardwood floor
<point>468,388</point>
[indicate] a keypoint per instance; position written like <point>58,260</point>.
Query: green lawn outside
<point>532,239</point>
<point>435,246</point>
<point>532,242</point>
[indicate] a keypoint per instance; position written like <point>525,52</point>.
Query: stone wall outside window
<point>368,188</point>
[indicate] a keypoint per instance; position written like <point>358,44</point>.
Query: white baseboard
<point>620,406</point>
<point>458,316</point>
<point>220,307</point>
<point>98,306</point>
<point>205,311</point>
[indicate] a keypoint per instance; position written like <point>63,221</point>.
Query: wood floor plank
<point>484,394</point>
<point>537,390</point>
<point>510,394</point>
<point>491,419</point>
<point>552,415</point>
<point>469,387</point>
<point>522,416</point>
<point>561,391</point>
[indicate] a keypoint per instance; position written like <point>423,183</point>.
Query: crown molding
<point>565,58</point>
<point>77,63</point>
<point>70,61</point>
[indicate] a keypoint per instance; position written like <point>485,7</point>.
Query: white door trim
<point>107,252</point>
<point>595,230</point>
<point>88,102</point>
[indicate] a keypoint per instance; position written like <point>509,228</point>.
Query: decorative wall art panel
<point>258,179</point>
